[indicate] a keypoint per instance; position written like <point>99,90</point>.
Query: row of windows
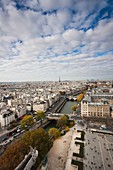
<point>102,110</point>
<point>95,114</point>
<point>99,114</point>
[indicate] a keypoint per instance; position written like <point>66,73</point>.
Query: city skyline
<point>41,40</point>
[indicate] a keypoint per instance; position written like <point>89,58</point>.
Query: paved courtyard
<point>60,155</point>
<point>98,151</point>
<point>57,156</point>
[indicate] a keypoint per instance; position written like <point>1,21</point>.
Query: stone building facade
<point>97,105</point>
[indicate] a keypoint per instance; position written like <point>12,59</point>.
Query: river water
<point>65,110</point>
<point>67,107</point>
<point>51,125</point>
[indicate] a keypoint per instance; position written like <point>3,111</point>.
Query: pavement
<point>57,156</point>
<point>98,151</point>
<point>60,155</point>
<point>3,132</point>
<point>72,148</point>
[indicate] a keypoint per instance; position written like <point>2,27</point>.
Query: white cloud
<point>47,5</point>
<point>34,46</point>
<point>64,16</point>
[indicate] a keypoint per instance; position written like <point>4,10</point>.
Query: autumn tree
<point>62,92</point>
<point>80,97</point>
<point>74,107</point>
<point>67,128</point>
<point>54,133</point>
<point>13,156</point>
<point>15,153</point>
<point>72,123</point>
<point>27,122</point>
<point>62,122</point>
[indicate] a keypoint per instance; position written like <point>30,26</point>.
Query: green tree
<point>38,138</point>
<point>40,115</point>
<point>62,122</point>
<point>67,116</point>
<point>74,107</point>
<point>68,121</point>
<point>54,132</point>
<point>27,122</point>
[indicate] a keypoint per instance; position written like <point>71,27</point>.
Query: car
<point>18,129</point>
<point>38,121</point>
<point>22,131</point>
<point>4,139</point>
<point>17,134</point>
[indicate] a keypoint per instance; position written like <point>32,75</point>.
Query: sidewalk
<point>3,132</point>
<point>57,156</point>
<point>61,154</point>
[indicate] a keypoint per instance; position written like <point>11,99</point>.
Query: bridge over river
<point>56,116</point>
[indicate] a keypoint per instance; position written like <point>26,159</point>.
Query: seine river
<point>65,110</point>
<point>67,107</point>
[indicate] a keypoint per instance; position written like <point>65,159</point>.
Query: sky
<point>41,40</point>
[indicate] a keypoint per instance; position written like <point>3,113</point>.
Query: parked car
<point>4,139</point>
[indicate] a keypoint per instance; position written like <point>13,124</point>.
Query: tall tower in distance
<point>112,84</point>
<point>59,79</point>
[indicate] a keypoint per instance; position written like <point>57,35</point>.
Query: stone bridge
<point>56,116</point>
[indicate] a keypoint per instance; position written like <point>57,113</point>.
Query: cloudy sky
<point>44,39</point>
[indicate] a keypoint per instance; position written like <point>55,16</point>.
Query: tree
<point>71,123</point>
<point>40,114</point>
<point>67,129</point>
<point>80,97</point>
<point>12,156</point>
<point>74,107</point>
<point>62,122</point>
<point>62,92</point>
<point>27,122</point>
<point>54,132</point>
<point>15,153</point>
<point>67,116</point>
<point>38,138</point>
<point>68,121</point>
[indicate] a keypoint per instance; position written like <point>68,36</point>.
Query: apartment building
<point>6,116</point>
<point>97,106</point>
<point>99,97</point>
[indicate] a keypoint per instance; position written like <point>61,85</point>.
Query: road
<point>56,105</point>
<point>52,109</point>
<point>12,139</point>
